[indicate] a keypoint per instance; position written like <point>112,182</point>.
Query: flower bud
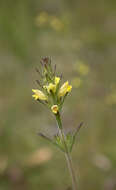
<point>55,109</point>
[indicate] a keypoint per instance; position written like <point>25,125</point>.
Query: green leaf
<point>58,143</point>
<point>70,138</point>
<point>69,141</point>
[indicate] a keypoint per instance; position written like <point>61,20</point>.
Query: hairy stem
<point>67,153</point>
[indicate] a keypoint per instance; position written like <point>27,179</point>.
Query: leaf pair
<point>69,139</point>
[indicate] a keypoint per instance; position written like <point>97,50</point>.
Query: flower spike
<point>53,95</point>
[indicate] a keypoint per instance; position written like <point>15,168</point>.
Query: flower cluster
<point>52,93</point>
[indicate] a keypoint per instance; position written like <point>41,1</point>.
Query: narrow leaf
<point>75,134</point>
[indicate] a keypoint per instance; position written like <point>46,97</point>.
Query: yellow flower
<point>50,87</point>
<point>57,80</point>
<point>39,95</point>
<point>64,89</point>
<point>55,109</point>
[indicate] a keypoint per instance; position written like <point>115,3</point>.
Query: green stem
<point>58,121</point>
<point>71,170</point>
<point>67,153</point>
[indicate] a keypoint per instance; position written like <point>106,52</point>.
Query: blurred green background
<point>81,38</point>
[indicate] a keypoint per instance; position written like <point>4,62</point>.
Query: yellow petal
<point>39,95</point>
<point>35,96</point>
<point>64,89</point>
<point>50,87</point>
<point>55,109</point>
<point>57,80</point>
<point>69,88</point>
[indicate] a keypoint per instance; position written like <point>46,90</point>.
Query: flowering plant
<point>52,94</point>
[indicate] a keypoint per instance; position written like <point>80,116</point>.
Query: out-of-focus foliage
<point>81,38</point>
